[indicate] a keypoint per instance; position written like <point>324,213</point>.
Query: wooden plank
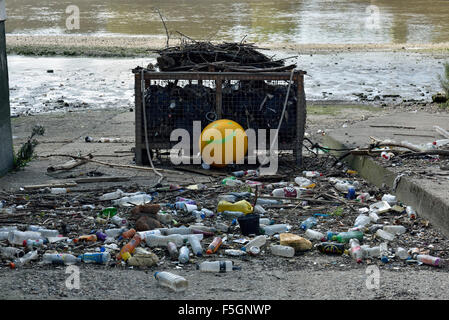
<point>101,179</point>
<point>51,185</point>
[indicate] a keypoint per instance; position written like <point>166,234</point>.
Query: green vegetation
<point>26,152</point>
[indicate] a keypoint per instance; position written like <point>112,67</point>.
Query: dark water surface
<point>301,21</point>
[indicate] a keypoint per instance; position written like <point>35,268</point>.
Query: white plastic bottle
<point>17,237</point>
<point>59,258</point>
<point>216,266</point>
<point>274,228</point>
<point>258,241</point>
<point>313,235</point>
<point>184,253</point>
<point>283,251</point>
<point>385,235</point>
<point>394,229</point>
<point>197,249</point>
<point>172,281</point>
<point>356,251</point>
<point>144,234</point>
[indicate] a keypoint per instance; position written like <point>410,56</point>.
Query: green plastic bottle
<point>344,237</point>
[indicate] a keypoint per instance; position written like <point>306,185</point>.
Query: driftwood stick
<point>391,143</point>
<point>67,165</point>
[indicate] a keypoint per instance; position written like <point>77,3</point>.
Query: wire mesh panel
<point>174,100</point>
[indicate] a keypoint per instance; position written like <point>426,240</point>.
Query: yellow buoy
<point>223,142</point>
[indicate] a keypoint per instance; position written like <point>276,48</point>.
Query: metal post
<point>6,151</point>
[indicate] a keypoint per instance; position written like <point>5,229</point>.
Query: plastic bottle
<point>130,247</point>
<point>383,247</point>
<point>394,229</point>
<point>308,223</point>
<point>184,254</point>
<point>17,237</point>
<point>11,252</point>
<point>222,226</point>
<point>330,234</point>
<point>356,250</point>
<point>363,197</point>
<point>86,238</point>
<point>283,251</point>
<point>410,212</point>
<point>172,281</point>
<point>154,240</point>
<point>58,190</point>
<point>265,221</point>
<point>362,220</point>
<point>180,230</point>
<point>118,221</point>
<point>129,234</point>
<point>262,202</point>
<point>200,227</point>
<point>96,257</point>
<point>314,235</point>
<point>391,199</point>
<point>274,228</point>
<point>144,234</point>
<point>44,232</point>
<point>34,243</point>
<point>311,174</point>
<point>60,258</point>
<point>287,192</point>
<point>232,182</point>
<point>385,235</point>
<point>172,250</point>
<point>216,266</point>
<point>131,201</point>
<point>373,216</point>
<point>32,255</point>
<point>215,244</point>
<point>426,259</point>
<point>344,237</point>
<point>371,252</point>
<point>108,212</point>
<point>4,235</point>
<point>234,252</point>
<point>197,249</point>
<point>232,214</point>
<point>112,195</point>
<point>242,206</point>
<point>185,200</point>
<point>114,233</point>
<point>402,253</point>
<point>258,241</point>
<point>303,182</point>
<point>343,187</point>
<point>331,248</point>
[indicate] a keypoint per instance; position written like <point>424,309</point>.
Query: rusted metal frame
<point>138,118</point>
<point>301,115</point>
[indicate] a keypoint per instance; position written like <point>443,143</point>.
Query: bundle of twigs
<point>204,56</point>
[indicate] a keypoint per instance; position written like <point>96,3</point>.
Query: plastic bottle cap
<point>24,243</point>
<point>155,274</point>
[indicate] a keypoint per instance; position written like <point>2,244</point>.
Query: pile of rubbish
<point>216,227</point>
<point>202,55</point>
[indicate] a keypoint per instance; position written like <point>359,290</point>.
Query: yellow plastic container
<point>241,206</point>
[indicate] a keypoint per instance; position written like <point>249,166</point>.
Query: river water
<point>300,21</point>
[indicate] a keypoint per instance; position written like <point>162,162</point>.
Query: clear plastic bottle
<point>96,257</point>
<point>11,252</point>
<point>426,259</point>
<point>145,234</point>
<point>385,235</point>
<point>232,214</point>
<point>153,240</point>
<point>383,247</point>
<point>135,200</point>
<point>371,252</point>
<point>180,230</point>
<point>184,254</point>
<point>60,258</point>
<point>203,228</point>
<point>402,253</point>
<point>308,223</point>
<point>410,212</point>
<point>373,216</point>
<point>283,251</point>
<point>17,237</point>
<point>234,252</point>
<point>314,235</point>
<point>172,250</point>
<point>394,229</point>
<point>197,249</point>
<point>311,174</point>
<point>58,190</point>
<point>258,241</point>
<point>356,250</point>
<point>32,255</point>
<point>111,195</point>
<point>287,192</point>
<point>274,228</point>
<point>114,233</point>
<point>216,266</point>
<point>4,235</point>
<point>391,199</point>
<point>119,221</point>
<point>302,182</point>
<point>172,281</point>
<point>34,243</point>
<point>44,232</point>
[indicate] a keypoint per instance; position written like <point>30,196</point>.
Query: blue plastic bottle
<point>308,223</point>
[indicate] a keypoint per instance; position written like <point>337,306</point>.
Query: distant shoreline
<point>139,46</point>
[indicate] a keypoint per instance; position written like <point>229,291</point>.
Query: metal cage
<point>254,100</point>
